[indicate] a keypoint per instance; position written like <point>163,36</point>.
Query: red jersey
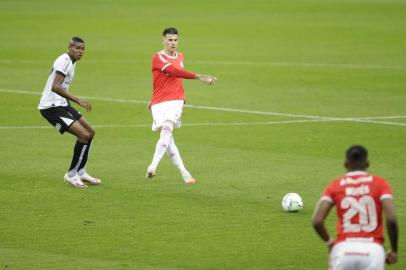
<point>358,198</point>
<point>167,74</point>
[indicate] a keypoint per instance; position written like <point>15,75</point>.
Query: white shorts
<point>167,110</point>
<point>357,255</point>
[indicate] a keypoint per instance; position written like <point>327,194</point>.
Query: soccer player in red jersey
<point>168,99</point>
<point>360,198</point>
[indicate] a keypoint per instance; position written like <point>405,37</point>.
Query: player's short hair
<point>77,39</point>
<point>170,30</point>
<point>357,154</point>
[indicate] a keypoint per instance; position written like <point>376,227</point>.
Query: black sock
<point>85,155</point>
<point>78,154</point>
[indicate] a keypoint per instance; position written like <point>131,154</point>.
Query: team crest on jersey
<point>162,59</point>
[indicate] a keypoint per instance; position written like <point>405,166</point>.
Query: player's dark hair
<point>357,154</point>
<point>77,39</point>
<point>170,30</point>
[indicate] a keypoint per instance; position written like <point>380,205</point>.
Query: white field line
<point>381,117</point>
<point>118,100</point>
<point>24,92</point>
<point>216,124</point>
<point>315,117</point>
<point>375,122</point>
<point>189,124</point>
<point>237,63</point>
<point>25,127</point>
<point>259,112</point>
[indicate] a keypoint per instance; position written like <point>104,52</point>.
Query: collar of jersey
<point>173,57</point>
<point>356,173</point>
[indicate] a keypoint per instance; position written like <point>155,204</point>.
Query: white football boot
<point>74,181</point>
<point>187,177</point>
<point>90,179</point>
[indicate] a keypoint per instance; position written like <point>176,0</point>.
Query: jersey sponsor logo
<point>356,191</point>
<point>348,180</point>
<point>354,253</point>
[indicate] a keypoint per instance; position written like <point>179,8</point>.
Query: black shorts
<point>61,117</point>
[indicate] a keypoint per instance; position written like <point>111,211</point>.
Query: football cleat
<point>74,181</point>
<point>150,174</point>
<point>91,180</point>
<point>190,181</point>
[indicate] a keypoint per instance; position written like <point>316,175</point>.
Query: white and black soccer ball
<point>292,202</point>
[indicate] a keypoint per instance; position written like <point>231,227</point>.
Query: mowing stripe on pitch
<point>302,64</point>
<point>237,63</point>
<point>369,119</point>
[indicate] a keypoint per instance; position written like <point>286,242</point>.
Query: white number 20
<point>365,208</point>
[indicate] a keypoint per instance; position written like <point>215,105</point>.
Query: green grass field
<point>329,59</point>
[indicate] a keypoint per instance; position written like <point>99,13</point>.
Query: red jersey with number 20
<point>358,198</point>
<point>166,86</point>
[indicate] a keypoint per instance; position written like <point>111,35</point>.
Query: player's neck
<point>71,58</point>
<point>170,53</point>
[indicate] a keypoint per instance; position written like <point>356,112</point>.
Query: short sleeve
<point>159,62</point>
<point>62,65</point>
<point>386,190</point>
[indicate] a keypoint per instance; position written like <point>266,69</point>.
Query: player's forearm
<point>180,73</point>
<point>321,230</point>
<point>393,232</point>
<point>63,93</point>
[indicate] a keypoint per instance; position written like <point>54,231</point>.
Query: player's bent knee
<point>167,127</point>
<point>84,137</point>
<point>92,133</point>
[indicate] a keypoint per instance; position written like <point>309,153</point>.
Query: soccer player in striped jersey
<point>168,99</point>
<point>56,108</point>
<point>360,198</point>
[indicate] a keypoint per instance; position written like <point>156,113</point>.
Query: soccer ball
<point>292,202</point>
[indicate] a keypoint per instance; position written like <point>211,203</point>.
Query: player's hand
<point>210,80</point>
<point>149,106</point>
<point>85,104</point>
<point>330,245</point>
<point>391,257</point>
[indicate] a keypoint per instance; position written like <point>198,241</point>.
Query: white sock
<point>82,171</point>
<point>161,146</point>
<point>174,154</point>
<point>72,173</point>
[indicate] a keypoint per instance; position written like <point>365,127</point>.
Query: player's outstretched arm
<point>184,74</point>
<point>210,80</point>
<point>392,227</point>
<point>320,214</point>
<point>57,88</point>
